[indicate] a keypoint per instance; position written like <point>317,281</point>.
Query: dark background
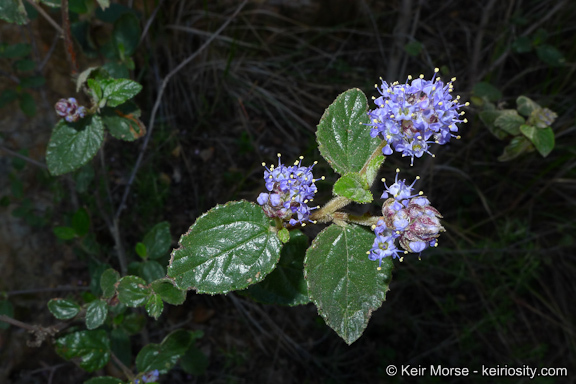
<point>498,290</point>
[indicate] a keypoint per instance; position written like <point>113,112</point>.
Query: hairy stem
<point>328,212</point>
<point>70,53</point>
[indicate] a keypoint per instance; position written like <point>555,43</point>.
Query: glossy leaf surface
<point>286,284</point>
<point>343,138</point>
<point>165,355</point>
<point>355,187</point>
<point>63,309</point>
<point>70,148</point>
<point>345,286</point>
<point>228,248</point>
<point>92,347</point>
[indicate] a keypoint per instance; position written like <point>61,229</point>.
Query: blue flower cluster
<point>407,217</point>
<point>290,189</point>
<point>411,116</point>
<point>149,377</point>
<point>69,109</point>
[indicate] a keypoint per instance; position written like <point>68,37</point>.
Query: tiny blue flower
<point>151,377</point>
<point>291,189</point>
<point>411,116</point>
<point>407,217</point>
<point>383,245</point>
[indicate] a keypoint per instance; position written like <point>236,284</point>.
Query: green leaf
<point>140,249</point>
<point>510,121</point>
<point>522,44</point>
<point>526,105</point>
<point>7,309</point>
<point>343,138</point>
<point>154,306</point>
<point>92,347</point>
<point>81,222</point>
<point>13,11</point>
<point>69,149</point>
<point>342,282</point>
<point>83,78</point>
<point>33,81</point>
<point>194,362</point>
<point>83,178</point>
<point>286,284</point>
<point>103,3</point>
<point>14,51</point>
<point>63,309</point>
<point>7,96</point>
<point>118,91</point>
<point>123,123</point>
<point>126,34</point>
<point>134,323</point>
<point>228,248</point>
<point>16,186</point>
<point>550,55</point>
<point>117,70</point>
<point>104,380</point>
<point>488,91</point>
<point>168,292</point>
<point>64,233</point>
<point>112,13</point>
<point>542,138</point>
<point>518,145</point>
<point>96,313</point>
<point>52,3</point>
<point>78,6</point>
<point>27,104</point>
<point>355,187</point>
<point>413,48</point>
<point>165,355</point>
<point>151,270</point>
<point>489,119</point>
<point>24,65</point>
<point>132,291</point>
<point>158,240</point>
<point>284,235</point>
<point>96,89</point>
<point>108,281</point>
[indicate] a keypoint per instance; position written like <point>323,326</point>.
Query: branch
<point>70,53</point>
<point>157,104</point>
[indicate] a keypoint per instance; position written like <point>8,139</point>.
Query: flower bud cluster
<point>413,115</point>
<point>407,217</point>
<point>69,109</point>
<point>542,117</point>
<point>290,189</point>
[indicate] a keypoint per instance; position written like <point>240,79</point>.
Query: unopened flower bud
<point>69,109</point>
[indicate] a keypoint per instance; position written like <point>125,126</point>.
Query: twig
<point>112,222</point>
<point>47,16</point>
<point>127,372</point>
<point>475,61</point>
<point>46,290</point>
<point>528,31</point>
<point>20,156</point>
<point>16,323</point>
<point>40,332</point>
<point>70,53</point>
<point>159,99</point>
<point>400,33</point>
<point>150,20</point>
